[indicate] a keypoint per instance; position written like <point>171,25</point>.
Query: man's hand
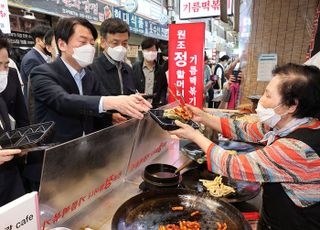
<point>8,154</point>
<point>133,105</point>
<point>118,118</point>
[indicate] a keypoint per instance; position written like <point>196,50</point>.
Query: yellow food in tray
<point>216,188</point>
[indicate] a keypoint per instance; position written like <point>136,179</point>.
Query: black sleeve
<point>47,90</point>
<point>20,113</point>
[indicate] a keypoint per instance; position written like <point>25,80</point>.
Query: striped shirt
<point>289,161</point>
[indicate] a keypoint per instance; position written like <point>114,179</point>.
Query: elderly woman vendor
<point>289,164</point>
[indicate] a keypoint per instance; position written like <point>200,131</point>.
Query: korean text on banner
<point>186,61</point>
<point>4,17</point>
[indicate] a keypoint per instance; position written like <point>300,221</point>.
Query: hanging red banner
<point>186,62</point>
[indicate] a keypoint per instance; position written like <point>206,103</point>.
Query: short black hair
<point>48,37</point>
<point>39,31</point>
<point>113,26</point>
<point>4,44</point>
<point>65,28</point>
<point>300,84</point>
<point>224,58</point>
<point>148,43</point>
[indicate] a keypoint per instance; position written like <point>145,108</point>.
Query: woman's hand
<point>185,131</point>
<point>8,154</point>
<point>198,115</point>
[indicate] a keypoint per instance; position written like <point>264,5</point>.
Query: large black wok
<point>150,209</point>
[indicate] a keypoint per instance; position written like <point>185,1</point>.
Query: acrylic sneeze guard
<point>85,180</point>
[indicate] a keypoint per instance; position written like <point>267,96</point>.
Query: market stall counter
<point>86,180</point>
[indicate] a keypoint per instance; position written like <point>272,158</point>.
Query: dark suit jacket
<point>13,97</point>
<point>56,98</point>
<point>107,73</point>
<point>31,60</point>
<point>11,186</point>
<point>160,84</point>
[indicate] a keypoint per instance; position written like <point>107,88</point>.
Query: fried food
<point>177,113</point>
<point>216,188</point>
<point>221,226</point>
<point>183,225</point>
<point>195,213</point>
<point>177,208</point>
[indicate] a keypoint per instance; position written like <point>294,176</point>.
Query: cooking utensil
<point>150,209</point>
<point>181,96</point>
<point>184,165</point>
<point>175,97</point>
<point>161,175</point>
<point>244,190</point>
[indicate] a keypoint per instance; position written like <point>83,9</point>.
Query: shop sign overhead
<point>97,12</point>
<point>202,8</point>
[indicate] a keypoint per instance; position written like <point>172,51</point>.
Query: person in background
<point>148,77</point>
<point>165,63</point>
<point>110,67</point>
<point>12,63</point>
<point>219,72</point>
<point>207,77</point>
<point>289,164</point>
<point>11,102</point>
<point>51,47</point>
<point>10,89</point>
<point>38,55</point>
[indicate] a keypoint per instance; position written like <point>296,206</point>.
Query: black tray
<point>166,123</point>
<point>26,137</point>
<point>244,190</point>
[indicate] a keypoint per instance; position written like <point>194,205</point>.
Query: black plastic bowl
<point>161,175</point>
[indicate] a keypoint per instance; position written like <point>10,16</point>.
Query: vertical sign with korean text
<point>186,57</point>
<point>4,17</point>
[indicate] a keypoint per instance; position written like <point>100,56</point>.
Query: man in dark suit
<point>110,67</point>
<point>36,56</point>
<point>69,94</point>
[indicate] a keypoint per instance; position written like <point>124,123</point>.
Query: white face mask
<point>268,116</point>
<point>150,55</point>
<point>84,55</point>
<point>117,53</point>
<point>3,80</point>
<point>56,50</point>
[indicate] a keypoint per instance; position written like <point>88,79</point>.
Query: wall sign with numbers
<point>186,57</point>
